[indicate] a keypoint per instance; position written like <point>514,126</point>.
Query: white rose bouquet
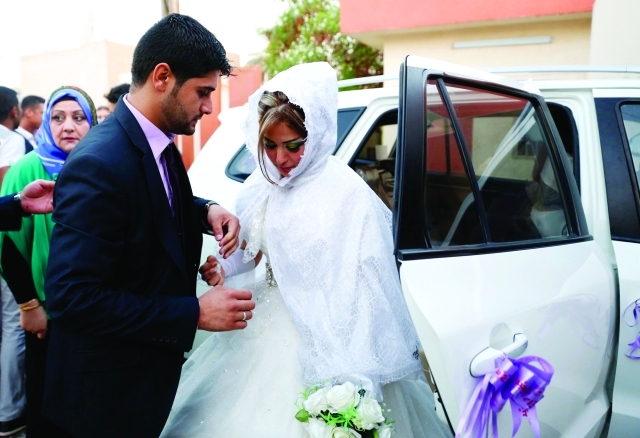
<point>342,411</point>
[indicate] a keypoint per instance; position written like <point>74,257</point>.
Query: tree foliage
<point>309,31</point>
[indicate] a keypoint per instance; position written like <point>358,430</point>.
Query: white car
<point>516,224</point>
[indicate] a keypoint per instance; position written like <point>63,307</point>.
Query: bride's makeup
<point>284,147</point>
<point>291,145</point>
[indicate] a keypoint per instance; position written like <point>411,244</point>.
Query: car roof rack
<point>565,69</point>
<point>368,80</point>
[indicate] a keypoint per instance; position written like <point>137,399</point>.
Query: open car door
<point>493,246</point>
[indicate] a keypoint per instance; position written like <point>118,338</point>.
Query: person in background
<point>102,112</point>
<point>68,116</point>
<point>115,93</point>
<point>32,108</point>
<point>11,143</point>
<point>12,389</point>
<point>35,198</point>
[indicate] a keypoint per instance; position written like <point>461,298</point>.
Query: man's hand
<point>226,229</point>
<point>223,309</point>
<point>212,272</point>
<point>37,197</point>
<point>34,321</point>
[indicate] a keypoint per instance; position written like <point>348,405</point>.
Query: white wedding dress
<point>337,313</point>
<point>246,383</point>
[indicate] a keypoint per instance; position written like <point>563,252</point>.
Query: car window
<point>618,128</point>
<point>631,119</point>
<point>375,159</point>
<point>488,172</point>
<point>451,215</point>
<point>242,163</point>
<point>347,117</point>
<point>568,130</point>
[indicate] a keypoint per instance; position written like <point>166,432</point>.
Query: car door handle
<point>485,361</point>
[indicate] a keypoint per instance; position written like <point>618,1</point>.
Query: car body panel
<point>625,417</point>
<point>462,305</point>
<point>618,114</point>
<point>561,296</point>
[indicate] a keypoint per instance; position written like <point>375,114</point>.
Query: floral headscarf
<point>51,156</point>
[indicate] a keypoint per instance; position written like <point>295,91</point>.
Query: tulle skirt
<point>246,384</point>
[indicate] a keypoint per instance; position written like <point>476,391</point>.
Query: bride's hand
<point>212,272</point>
<point>226,229</point>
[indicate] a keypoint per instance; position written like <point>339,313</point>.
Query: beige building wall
<point>94,67</point>
<point>615,32</point>
<point>119,58</point>
<point>569,43</point>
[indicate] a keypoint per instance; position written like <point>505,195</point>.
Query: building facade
<point>492,33</point>
<point>97,66</point>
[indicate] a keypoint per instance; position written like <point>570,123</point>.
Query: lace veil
<point>330,246</point>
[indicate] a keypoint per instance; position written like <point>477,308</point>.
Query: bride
<point>331,309</point>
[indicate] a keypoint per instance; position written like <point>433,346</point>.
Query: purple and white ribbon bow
<point>513,380</point>
<point>635,345</point>
<point>635,311</point>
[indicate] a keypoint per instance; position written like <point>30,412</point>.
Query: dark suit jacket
<point>10,214</point>
<point>27,146</point>
<point>119,290</point>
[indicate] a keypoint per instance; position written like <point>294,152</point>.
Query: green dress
<point>33,238</point>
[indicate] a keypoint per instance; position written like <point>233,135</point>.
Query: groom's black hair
<point>190,49</point>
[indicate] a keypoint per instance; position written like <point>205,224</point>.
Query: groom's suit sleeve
<point>201,207</point>
<point>91,240</point>
<point>10,216</point>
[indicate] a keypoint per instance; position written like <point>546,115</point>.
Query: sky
<point>36,26</point>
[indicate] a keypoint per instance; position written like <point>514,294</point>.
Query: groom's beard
<point>176,116</point>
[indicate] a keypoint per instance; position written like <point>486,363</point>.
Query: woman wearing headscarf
<point>331,311</point>
<point>69,114</point>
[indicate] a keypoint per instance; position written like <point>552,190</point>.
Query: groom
<point>125,249</point>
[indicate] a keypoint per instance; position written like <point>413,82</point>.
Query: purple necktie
<point>171,155</point>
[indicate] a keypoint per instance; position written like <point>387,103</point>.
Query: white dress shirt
<point>11,146</point>
<point>27,135</point>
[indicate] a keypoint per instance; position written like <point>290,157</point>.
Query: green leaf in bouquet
<point>302,416</point>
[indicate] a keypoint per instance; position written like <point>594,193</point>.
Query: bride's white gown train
<point>331,243</point>
<point>245,384</point>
